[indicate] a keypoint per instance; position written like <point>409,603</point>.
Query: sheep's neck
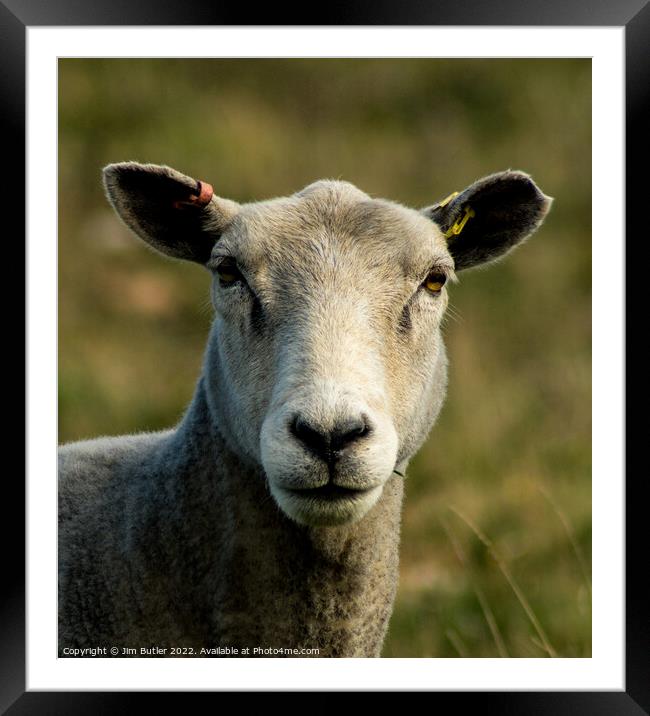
<point>257,579</point>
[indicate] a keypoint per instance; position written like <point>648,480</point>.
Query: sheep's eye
<point>434,282</point>
<point>228,272</point>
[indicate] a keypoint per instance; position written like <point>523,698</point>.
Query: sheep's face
<point>326,364</point>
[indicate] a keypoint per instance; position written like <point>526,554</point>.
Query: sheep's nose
<point>325,444</point>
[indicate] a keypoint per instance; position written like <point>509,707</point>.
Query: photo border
<point>16,17</point>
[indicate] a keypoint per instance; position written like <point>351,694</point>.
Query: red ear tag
<point>206,192</point>
<point>200,197</point>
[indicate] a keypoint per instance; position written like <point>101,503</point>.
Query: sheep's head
<point>326,364</point>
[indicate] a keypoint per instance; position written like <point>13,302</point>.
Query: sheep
<point>269,517</point>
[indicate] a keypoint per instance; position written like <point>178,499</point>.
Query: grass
<point>516,589</point>
<point>508,573</point>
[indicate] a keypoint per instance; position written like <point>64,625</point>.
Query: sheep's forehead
<point>334,226</point>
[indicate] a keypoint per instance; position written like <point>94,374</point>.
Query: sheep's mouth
<point>328,505</point>
<point>330,492</point>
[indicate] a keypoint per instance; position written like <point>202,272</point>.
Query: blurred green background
<point>496,545</point>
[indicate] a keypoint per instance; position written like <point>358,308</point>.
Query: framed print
<point>459,136</point>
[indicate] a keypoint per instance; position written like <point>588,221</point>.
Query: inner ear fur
<point>174,213</point>
<point>500,211</point>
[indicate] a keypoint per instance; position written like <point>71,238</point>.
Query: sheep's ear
<point>174,213</point>
<point>490,217</point>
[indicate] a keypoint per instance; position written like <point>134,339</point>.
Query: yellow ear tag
<point>459,224</point>
<point>446,201</point>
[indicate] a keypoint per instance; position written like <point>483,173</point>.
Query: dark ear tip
<point>110,179</point>
<point>112,171</point>
<point>524,179</point>
<point>516,176</point>
<point>548,201</point>
<point>116,167</point>
<point>514,179</point>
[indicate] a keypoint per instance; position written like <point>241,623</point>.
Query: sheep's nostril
<point>328,444</point>
<point>317,441</point>
<point>348,432</point>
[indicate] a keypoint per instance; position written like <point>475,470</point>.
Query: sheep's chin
<point>314,511</point>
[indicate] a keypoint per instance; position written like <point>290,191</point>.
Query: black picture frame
<point>17,15</point>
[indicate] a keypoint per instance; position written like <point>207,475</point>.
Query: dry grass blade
<point>457,643</point>
<point>537,643</point>
<point>480,595</point>
<point>511,581</point>
<point>568,528</point>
